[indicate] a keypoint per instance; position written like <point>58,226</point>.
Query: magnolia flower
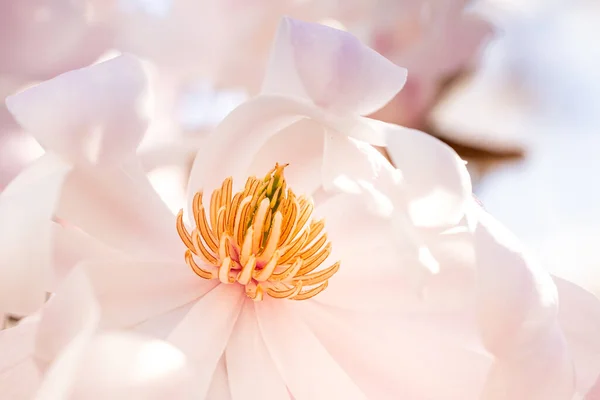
<point>305,265</point>
<point>73,360</point>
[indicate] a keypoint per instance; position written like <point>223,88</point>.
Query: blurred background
<point>512,85</point>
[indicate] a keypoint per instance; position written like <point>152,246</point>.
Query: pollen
<point>262,237</point>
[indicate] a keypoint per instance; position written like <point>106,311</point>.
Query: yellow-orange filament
<point>261,237</point>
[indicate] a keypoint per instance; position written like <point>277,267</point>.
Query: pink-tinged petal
<point>26,209</point>
<point>72,245</point>
<point>204,332</point>
<point>579,320</point>
<point>245,351</point>
<point>540,370</point>
<point>17,345</point>
<point>21,381</point>
<point>130,292</point>
<point>517,307</point>
<point>121,366</point>
<point>353,166</point>
<point>300,145</point>
<point>437,182</point>
<point>412,355</point>
<point>307,367</point>
<point>387,267</point>
<point>244,132</point>
<point>331,68</point>
<point>96,114</point>
<point>71,312</point>
<point>219,387</point>
<point>119,207</point>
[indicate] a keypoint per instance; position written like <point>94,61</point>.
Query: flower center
<point>262,238</point>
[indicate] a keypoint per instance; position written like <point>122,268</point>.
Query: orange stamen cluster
<point>262,237</point>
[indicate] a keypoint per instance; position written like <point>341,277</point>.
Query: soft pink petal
<point>26,209</point>
<point>95,114</point>
<point>245,351</point>
<point>353,166</point>
<point>408,355</point>
<point>517,305</point>
<point>300,145</point>
<point>307,367</point>
<point>21,381</point>
<point>540,370</point>
<point>131,292</point>
<point>219,387</point>
<point>204,332</point>
<point>71,312</point>
<point>385,265</point>
<point>72,245</point>
<point>437,181</point>
<point>244,132</point>
<point>17,345</point>
<point>579,319</point>
<point>119,207</point>
<point>331,68</point>
<point>123,366</point>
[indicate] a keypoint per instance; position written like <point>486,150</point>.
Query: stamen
<point>261,237</point>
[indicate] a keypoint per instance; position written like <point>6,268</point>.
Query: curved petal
<point>120,366</point>
<point>119,207</point>
<point>20,374</point>
<point>300,145</point>
<point>17,343</point>
<point>307,367</point>
<point>92,115</point>
<point>331,68</point>
<point>579,319</point>
<point>26,209</point>
<point>73,311</point>
<point>245,351</point>
<point>219,387</point>
<point>380,352</point>
<point>243,133</point>
<point>130,292</point>
<point>517,306</point>
<point>437,182</point>
<point>382,268</point>
<point>204,332</point>
<point>72,245</point>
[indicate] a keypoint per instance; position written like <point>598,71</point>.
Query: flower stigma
<point>262,237</point>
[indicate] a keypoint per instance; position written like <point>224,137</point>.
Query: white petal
<point>517,306</point>
<point>26,209</point>
<point>412,355</point>
<point>119,207</point>
<point>71,312</point>
<point>541,370</point>
<point>95,114</point>
<point>219,387</point>
<point>579,319</point>
<point>204,332</point>
<point>437,182</point>
<point>131,292</point>
<point>19,373</point>
<point>300,145</point>
<point>251,371</point>
<point>306,366</point>
<point>242,134</point>
<point>72,245</point>
<point>331,68</point>
<point>121,366</point>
